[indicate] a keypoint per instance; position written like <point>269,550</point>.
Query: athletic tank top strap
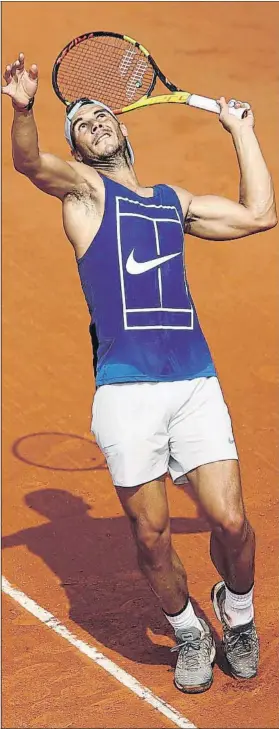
<point>169,197</point>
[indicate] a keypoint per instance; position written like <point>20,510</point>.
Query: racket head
<point>110,67</point>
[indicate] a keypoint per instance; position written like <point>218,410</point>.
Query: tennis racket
<point>121,73</point>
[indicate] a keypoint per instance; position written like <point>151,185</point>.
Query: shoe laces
<point>241,640</point>
<point>191,648</point>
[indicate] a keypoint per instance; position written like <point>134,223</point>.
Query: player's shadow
<point>95,561</point>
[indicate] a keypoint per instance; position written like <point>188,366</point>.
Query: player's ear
<point>124,130</point>
<point>76,155</point>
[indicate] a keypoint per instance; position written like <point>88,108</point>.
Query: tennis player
<point>158,406</point>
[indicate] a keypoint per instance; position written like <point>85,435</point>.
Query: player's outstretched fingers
<point>7,74</point>
<point>15,68</point>
<point>21,61</point>
<point>33,72</point>
<point>20,82</point>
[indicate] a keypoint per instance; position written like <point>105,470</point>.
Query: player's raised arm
<point>49,173</point>
<point>217,218</point>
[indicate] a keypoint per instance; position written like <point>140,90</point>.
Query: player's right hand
<point>21,84</point>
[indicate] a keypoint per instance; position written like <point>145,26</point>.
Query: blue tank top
<point>144,326</point>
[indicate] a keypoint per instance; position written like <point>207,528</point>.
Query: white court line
<point>125,678</point>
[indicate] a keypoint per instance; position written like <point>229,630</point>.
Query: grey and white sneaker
<point>196,653</point>
<point>241,644</point>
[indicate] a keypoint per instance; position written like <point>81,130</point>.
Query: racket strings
<point>109,69</point>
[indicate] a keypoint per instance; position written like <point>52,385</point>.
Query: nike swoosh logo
<point>136,267</point>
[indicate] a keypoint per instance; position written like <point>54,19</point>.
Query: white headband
<point>73,111</point>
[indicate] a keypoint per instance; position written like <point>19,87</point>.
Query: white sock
<point>185,619</point>
<point>239,609</point>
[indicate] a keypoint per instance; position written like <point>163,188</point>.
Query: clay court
<point>66,542</point>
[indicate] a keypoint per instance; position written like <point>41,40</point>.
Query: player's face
<point>96,134</point>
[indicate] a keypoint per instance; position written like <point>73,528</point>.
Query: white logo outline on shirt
<point>137,267</point>
<point>141,211</point>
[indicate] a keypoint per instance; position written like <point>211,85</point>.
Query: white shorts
<point>146,429</point>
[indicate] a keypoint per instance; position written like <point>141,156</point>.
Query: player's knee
<point>153,541</point>
<point>233,524</point>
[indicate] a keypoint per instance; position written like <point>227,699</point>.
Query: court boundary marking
<point>97,657</point>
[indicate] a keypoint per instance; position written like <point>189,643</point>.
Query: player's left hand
<point>230,122</point>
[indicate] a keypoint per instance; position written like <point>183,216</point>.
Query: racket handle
<point>202,102</point>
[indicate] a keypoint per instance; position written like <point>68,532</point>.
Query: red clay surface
<point>66,541</point>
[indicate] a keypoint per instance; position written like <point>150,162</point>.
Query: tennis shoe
<point>196,653</point>
<point>241,643</point>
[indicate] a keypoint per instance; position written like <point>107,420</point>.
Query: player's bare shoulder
<point>83,207</point>
<point>184,197</point>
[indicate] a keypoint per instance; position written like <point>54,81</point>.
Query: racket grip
<point>203,102</point>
